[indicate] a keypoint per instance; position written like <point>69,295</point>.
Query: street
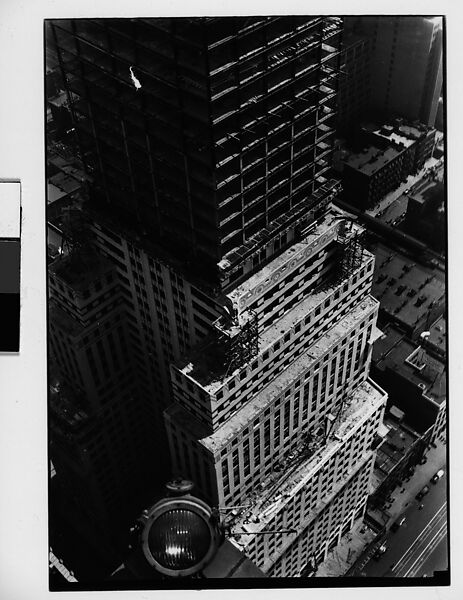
<point>419,546</point>
<point>393,206</point>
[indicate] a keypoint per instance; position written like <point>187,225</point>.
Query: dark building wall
<point>364,190</point>
<point>426,217</point>
<point>404,65</point>
<point>404,72</point>
<point>420,414</point>
<point>356,187</point>
<point>221,138</point>
<point>354,83</point>
<point>226,142</point>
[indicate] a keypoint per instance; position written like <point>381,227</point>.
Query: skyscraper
<point>353,100</point>
<point>403,74</point>
<point>218,143</point>
<point>243,297</point>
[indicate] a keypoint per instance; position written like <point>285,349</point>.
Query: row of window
<point>315,404</point>
<point>256,367</point>
<point>314,540</point>
<point>230,402</point>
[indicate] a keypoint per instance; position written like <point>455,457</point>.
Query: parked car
<point>421,494</point>
<point>437,476</point>
<point>380,551</point>
<point>398,523</point>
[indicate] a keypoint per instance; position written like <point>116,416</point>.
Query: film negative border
<point>10,264</point>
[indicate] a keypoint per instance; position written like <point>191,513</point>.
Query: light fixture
<point>180,534</point>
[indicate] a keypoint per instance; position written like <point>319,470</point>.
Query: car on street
<point>437,476</point>
<point>398,523</point>
<point>422,493</point>
<point>380,551</point>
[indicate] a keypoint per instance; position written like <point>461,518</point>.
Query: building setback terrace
<point>258,283</point>
<point>80,269</point>
<point>297,368</point>
<point>300,311</point>
<point>366,399</point>
<point>204,367</point>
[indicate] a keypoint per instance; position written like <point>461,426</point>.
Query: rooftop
<point>405,135</point>
<point>395,446</point>
<point>65,182</point>
<point>387,342</point>
<point>60,99</point>
<point>371,159</point>
<point>407,291</point>
<point>438,335</point>
<point>428,190</point>
<point>411,361</point>
<point>54,193</point>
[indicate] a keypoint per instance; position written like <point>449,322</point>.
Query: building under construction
<point>210,133</point>
<point>244,297</point>
<point>287,435</point>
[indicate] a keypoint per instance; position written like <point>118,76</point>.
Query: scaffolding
<point>241,348</point>
<point>239,341</point>
<point>351,250</point>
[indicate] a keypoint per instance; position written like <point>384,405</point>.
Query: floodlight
<point>180,535</point>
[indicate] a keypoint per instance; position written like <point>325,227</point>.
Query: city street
<point>419,546</point>
<point>394,205</point>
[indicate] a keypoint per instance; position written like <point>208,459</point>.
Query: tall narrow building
<point>274,413</point>
<point>401,74</point>
<point>246,317</point>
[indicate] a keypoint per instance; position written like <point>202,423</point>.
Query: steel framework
<point>350,252</point>
<point>241,347</point>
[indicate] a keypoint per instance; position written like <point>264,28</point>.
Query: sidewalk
<point>390,198</point>
<point>338,561</point>
<point>423,473</point>
<point>357,541</point>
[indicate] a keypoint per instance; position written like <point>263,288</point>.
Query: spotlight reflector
<point>179,536</point>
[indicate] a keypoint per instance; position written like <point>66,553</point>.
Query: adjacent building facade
<point>414,375</point>
<point>212,292</point>
<point>354,82</point>
<point>402,74</point>
<point>399,452</point>
<point>389,153</point>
